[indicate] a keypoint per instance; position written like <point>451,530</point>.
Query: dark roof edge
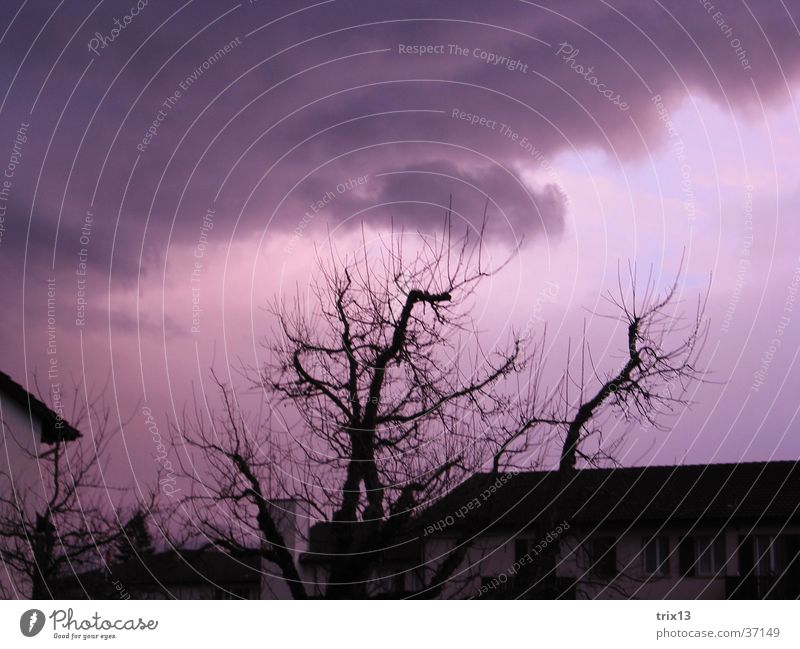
<point>53,425</point>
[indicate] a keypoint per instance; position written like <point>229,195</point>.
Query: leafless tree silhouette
<point>660,363</point>
<point>393,399</point>
<point>65,519</point>
<point>394,396</point>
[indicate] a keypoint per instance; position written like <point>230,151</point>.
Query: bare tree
<point>58,516</point>
<point>381,385</point>
<point>660,363</point>
<point>233,486</point>
<point>391,395</point>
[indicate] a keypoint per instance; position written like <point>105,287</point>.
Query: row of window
<point>699,555</point>
<point>702,556</point>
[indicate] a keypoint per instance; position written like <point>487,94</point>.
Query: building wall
<point>634,582</point>
<point>487,558</point>
<point>491,560</point>
<point>293,521</point>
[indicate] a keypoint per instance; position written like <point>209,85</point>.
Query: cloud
<point>333,97</point>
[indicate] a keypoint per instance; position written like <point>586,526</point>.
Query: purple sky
<point>692,148</point>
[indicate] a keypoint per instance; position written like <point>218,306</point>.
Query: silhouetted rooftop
<point>51,432</point>
<point>703,492</point>
<point>713,493</point>
<point>168,570</point>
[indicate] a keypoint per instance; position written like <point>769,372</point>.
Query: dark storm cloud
<point>278,130</point>
<point>330,107</point>
<point>523,210</point>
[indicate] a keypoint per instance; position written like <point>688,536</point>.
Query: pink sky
<point>324,96</point>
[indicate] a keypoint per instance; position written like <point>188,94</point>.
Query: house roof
<point>174,569</point>
<point>750,491</point>
<point>650,495</point>
<point>191,568</point>
<point>51,430</point>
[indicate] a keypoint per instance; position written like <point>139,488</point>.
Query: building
<point>676,532</point>
<point>28,419</point>
<point>29,431</point>
<point>660,532</point>
<point>186,574</point>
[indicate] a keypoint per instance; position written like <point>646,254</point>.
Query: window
<point>656,555</point>
<point>602,556</point>
<point>765,555</point>
<point>710,554</point>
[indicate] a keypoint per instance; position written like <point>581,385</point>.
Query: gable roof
<point>164,571</point>
<point>743,492</point>
<point>714,494</point>
<point>54,428</point>
<point>190,568</point>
